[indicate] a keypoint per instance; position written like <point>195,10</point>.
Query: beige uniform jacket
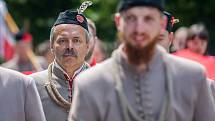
<point>96,97</point>
<point>19,98</point>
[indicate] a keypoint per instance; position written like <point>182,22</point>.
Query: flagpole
<point>11,23</point>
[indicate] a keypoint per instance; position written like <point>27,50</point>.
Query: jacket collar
<point>122,59</point>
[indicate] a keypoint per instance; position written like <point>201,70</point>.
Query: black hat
<point>126,4</point>
<point>170,21</point>
<point>74,17</point>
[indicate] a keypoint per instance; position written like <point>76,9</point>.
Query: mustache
<point>143,35</point>
<point>70,52</point>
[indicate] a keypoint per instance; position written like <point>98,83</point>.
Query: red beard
<point>139,56</point>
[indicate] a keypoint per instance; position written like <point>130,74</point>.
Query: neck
<point>70,70</point>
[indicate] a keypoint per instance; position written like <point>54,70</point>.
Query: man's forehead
<point>141,10</point>
<point>64,28</point>
<point>126,4</point>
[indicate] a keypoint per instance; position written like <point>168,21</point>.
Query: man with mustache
<point>141,81</point>
<point>69,41</point>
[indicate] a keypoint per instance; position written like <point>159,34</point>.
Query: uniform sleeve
<point>82,108</point>
<point>33,105</point>
<point>205,106</point>
<point>212,87</point>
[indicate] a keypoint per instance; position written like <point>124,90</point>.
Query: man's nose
<point>70,44</point>
<point>140,27</point>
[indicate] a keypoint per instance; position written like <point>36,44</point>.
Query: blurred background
<point>38,16</point>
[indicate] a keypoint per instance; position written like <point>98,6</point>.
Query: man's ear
<point>117,20</point>
<point>51,47</point>
<point>88,47</point>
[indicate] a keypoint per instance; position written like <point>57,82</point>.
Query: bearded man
<point>141,81</point>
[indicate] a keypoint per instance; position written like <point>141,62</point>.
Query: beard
<point>138,55</point>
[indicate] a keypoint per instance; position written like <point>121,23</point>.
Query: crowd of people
<point>155,74</point>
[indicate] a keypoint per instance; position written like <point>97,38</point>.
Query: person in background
<point>96,52</point>
<point>69,41</point>
<point>197,39</point>
<point>24,59</point>
<point>19,98</point>
<point>99,53</point>
<point>141,81</point>
<point>92,43</point>
<point>196,49</point>
<point>180,36</point>
<point>44,50</point>
<point>166,36</point>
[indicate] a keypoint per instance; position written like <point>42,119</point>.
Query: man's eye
<point>148,18</point>
<point>61,40</point>
<point>129,18</point>
<point>76,40</point>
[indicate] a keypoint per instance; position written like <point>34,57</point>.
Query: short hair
<point>198,30</point>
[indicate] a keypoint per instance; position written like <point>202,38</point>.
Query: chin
<point>140,45</point>
<point>68,64</point>
<point>68,59</point>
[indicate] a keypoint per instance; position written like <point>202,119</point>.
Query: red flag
<point>8,50</point>
<point>6,39</point>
